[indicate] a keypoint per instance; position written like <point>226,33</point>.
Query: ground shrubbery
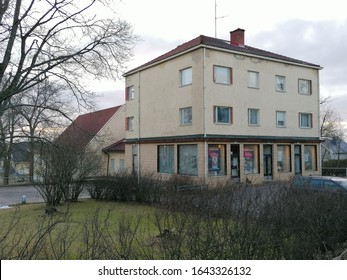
<point>229,221</point>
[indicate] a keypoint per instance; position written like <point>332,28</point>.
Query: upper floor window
<point>222,115</point>
<point>253,116</point>
<point>280,83</point>
<point>222,75</point>
<point>129,123</point>
<point>186,115</point>
<point>130,93</point>
<point>253,79</point>
<point>305,120</point>
<point>280,119</point>
<point>186,76</point>
<point>305,87</point>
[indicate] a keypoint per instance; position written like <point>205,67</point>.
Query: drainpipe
<point>204,118</point>
<point>108,163</point>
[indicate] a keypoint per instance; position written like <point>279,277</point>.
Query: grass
<point>72,232</point>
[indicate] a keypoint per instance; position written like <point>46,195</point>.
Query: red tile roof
<point>115,147</point>
<point>85,127</point>
<point>205,41</point>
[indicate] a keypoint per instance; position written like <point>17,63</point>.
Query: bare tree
<point>9,123</point>
<point>62,40</point>
<point>331,122</point>
<point>41,108</point>
<point>63,172</point>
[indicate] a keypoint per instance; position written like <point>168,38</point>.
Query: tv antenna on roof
<point>216,18</point>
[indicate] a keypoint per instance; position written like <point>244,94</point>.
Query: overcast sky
<point>314,31</point>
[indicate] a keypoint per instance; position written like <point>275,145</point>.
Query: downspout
<point>319,157</point>
<point>139,126</point>
<point>108,162</point>
<point>204,118</point>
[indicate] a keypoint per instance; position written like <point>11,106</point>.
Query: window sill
<point>187,85</point>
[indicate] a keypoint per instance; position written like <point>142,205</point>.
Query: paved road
<point>13,195</point>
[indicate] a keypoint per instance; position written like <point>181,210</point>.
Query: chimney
<point>237,37</point>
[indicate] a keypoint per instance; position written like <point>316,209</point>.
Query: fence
<point>14,180</point>
<point>334,171</point>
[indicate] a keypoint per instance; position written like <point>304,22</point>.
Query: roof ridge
<point>223,45</point>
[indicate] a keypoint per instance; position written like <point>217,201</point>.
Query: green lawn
<point>85,230</point>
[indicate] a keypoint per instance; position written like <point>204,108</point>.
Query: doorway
<point>297,159</point>
<point>235,160</point>
<point>267,162</point>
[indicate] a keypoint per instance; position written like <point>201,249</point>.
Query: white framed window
<point>186,76</point>
<point>121,164</point>
<point>222,115</point>
<point>305,120</point>
<point>186,116</point>
<point>112,165</point>
<point>130,93</point>
<point>280,83</point>
<point>222,75</point>
<point>129,124</point>
<point>253,116</point>
<point>280,118</point>
<point>304,87</point>
<point>253,79</point>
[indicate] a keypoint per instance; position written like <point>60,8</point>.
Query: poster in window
<point>214,156</point>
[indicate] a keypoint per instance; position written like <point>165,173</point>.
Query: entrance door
<point>235,160</point>
<point>267,162</point>
<point>297,159</point>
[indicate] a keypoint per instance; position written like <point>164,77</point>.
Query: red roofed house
<point>220,109</point>
<point>101,132</point>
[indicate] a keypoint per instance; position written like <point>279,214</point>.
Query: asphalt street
<point>11,195</point>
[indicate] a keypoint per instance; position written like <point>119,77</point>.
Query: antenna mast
<point>216,18</point>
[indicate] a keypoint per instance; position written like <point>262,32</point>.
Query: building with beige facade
<point>217,109</point>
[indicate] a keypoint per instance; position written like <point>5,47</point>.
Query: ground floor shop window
<point>310,157</point>
<point>283,158</point>
<point>251,157</point>
<point>216,159</point>
<point>188,160</point>
<point>166,159</point>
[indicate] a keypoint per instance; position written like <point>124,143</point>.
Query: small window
<point>305,120</point>
<point>253,79</point>
<point>280,119</point>
<point>253,116</point>
<point>305,87</point>
<point>222,115</point>
<point>186,116</point>
<point>129,124</point>
<point>130,93</point>
<point>222,75</point>
<point>186,76</point>
<point>280,83</point>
